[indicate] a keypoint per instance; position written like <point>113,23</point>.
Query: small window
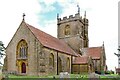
<point>41,55</point>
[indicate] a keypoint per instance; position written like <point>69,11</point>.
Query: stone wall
<point>45,68</point>
<point>64,58</point>
<point>22,33</point>
<point>80,68</point>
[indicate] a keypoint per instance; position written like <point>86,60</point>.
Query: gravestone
<point>64,75</point>
<point>93,76</point>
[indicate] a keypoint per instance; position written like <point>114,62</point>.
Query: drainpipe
<point>71,64</point>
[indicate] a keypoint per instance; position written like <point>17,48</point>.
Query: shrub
<point>109,72</point>
<point>98,72</point>
<point>106,72</point>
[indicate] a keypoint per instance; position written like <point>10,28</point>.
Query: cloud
<point>46,8</point>
<point>47,2</point>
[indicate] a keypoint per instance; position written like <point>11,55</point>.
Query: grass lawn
<point>50,76</point>
<point>110,77</point>
<point>72,77</point>
<point>78,75</point>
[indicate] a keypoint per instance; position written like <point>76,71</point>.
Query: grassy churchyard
<point>47,76</point>
<point>71,77</point>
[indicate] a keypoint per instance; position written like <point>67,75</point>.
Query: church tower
<point>74,31</point>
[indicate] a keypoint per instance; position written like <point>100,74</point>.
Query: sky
<point>102,16</point>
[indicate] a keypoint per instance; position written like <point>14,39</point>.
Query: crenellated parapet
<point>72,18</point>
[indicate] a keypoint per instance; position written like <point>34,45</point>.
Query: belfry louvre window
<point>22,49</point>
<point>67,30</point>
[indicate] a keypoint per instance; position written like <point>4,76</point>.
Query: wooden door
<point>23,66</point>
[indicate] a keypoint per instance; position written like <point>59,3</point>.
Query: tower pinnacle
<point>85,14</point>
<point>78,9</point>
<point>57,15</point>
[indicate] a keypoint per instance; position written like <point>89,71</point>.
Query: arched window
<point>68,65</point>
<point>51,60</point>
<point>59,65</point>
<point>22,49</point>
<point>67,30</point>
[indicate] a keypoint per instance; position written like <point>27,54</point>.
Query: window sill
<point>22,58</point>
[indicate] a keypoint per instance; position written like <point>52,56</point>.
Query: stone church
<point>34,52</point>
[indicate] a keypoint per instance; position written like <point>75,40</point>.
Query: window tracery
<point>22,49</point>
<point>67,30</point>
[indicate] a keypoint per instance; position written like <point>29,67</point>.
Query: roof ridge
<point>93,47</point>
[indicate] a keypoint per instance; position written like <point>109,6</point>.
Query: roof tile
<point>94,52</point>
<point>81,60</point>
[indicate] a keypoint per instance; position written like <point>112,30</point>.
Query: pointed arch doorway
<point>23,68</point>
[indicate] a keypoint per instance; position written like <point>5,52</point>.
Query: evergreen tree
<point>2,51</point>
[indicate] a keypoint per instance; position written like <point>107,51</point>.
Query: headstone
<point>93,76</point>
<point>64,75</point>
